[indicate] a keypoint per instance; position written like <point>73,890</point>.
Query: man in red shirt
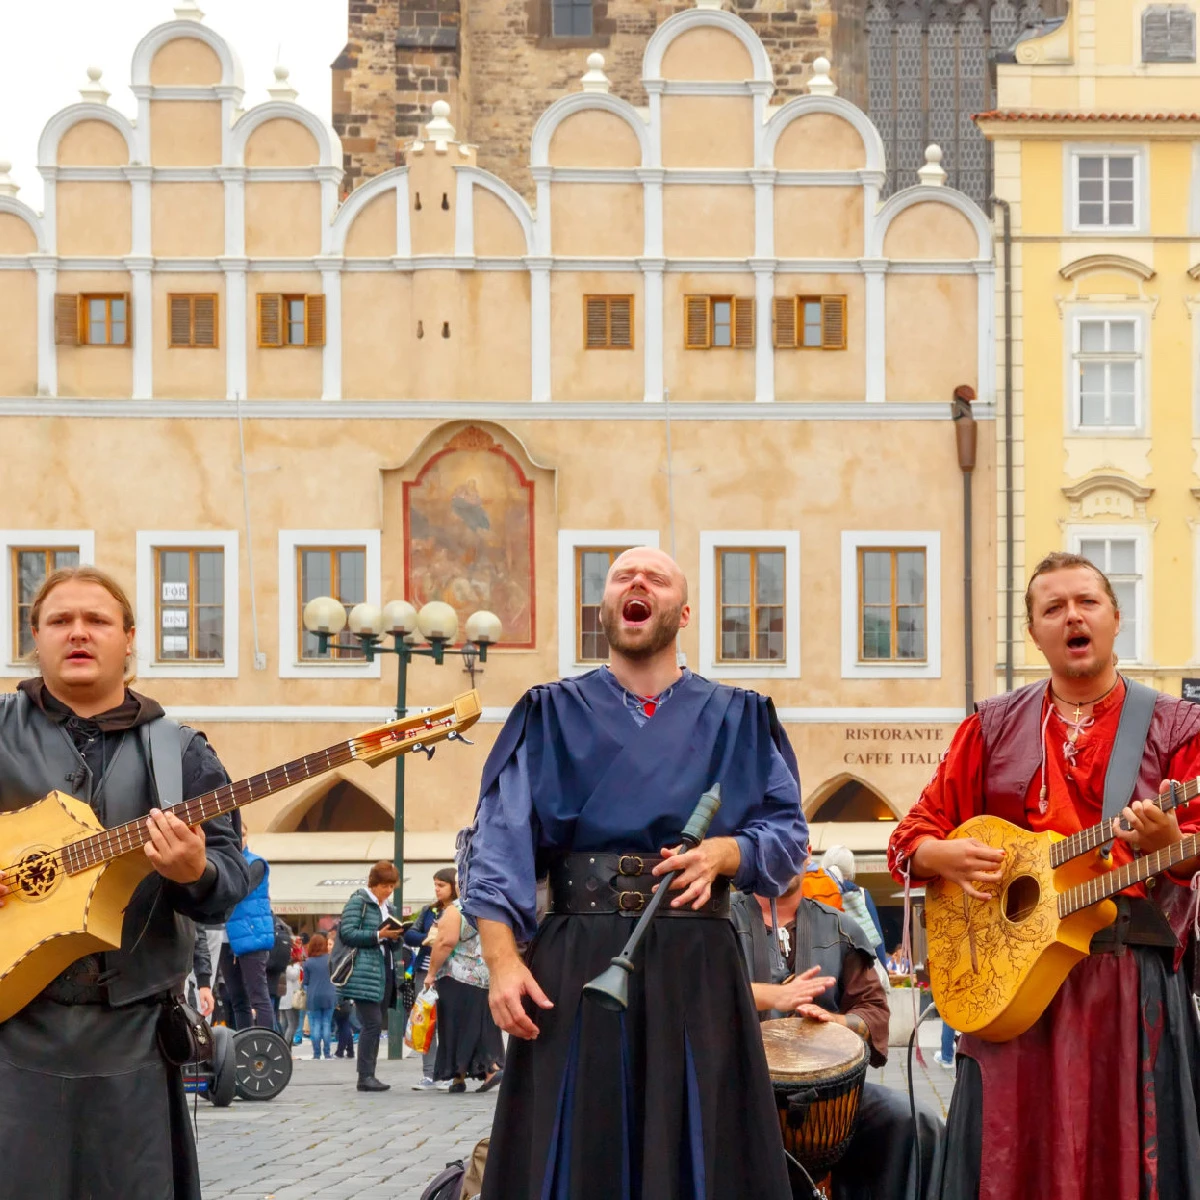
<point>1099,1099</point>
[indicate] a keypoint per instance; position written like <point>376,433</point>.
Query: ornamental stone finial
<point>282,90</point>
<point>7,186</point>
<point>439,130</point>
<point>188,10</point>
<point>932,174</point>
<point>819,83</point>
<point>595,79</point>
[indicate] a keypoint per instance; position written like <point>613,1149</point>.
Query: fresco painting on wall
<point>468,522</point>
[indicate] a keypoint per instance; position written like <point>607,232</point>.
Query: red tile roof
<point>1012,114</point>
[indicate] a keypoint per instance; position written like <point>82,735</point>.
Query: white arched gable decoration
<point>514,201</point>
<point>694,18</point>
<point>394,180</point>
<point>10,204</point>
<point>567,106</point>
<point>156,39</point>
<point>56,129</point>
<point>923,194</point>
<point>802,106</point>
<point>329,145</point>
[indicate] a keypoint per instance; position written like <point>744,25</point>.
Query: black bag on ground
<point>447,1183</point>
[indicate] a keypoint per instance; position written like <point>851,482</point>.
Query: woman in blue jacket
<point>319,995</point>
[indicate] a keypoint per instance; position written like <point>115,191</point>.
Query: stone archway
<point>846,797</point>
<point>334,806</point>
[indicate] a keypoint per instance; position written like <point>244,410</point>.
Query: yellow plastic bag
<point>418,1033</point>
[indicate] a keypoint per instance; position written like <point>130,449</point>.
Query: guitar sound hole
<point>1021,898</point>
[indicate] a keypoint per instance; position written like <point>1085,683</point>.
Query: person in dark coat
<point>88,1105</point>
<point>417,936</point>
<point>320,995</point>
<point>372,983</point>
<point>592,781</point>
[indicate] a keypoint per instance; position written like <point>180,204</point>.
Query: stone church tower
<point>919,67</point>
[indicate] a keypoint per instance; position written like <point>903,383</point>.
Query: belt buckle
<point>638,867</point>
<point>631,902</point>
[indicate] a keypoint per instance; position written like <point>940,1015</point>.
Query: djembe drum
<point>817,1071</point>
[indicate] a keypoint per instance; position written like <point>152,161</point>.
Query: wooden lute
<point>995,965</point>
<point>70,879</point>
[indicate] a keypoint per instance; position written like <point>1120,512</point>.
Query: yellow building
<point>1097,151</point>
<point>709,334</point>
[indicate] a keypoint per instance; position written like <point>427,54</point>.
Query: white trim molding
<point>1140,536</point>
<point>569,540</point>
<point>567,106</point>
<point>897,203</point>
<point>1074,315</point>
<point>892,539</point>
<point>160,35</point>
<point>695,18</point>
<point>50,539</point>
<point>1139,152</point>
<point>148,541</point>
<point>787,540</point>
<point>291,540</point>
<point>834,106</point>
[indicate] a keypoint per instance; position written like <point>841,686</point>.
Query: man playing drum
<point>590,779</point>
<point>841,986</point>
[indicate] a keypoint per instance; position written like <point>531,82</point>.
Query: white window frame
<point>1074,151</point>
<point>150,541</point>
<point>1140,374</point>
<point>929,540</point>
<point>291,666</point>
<point>49,539</point>
<point>570,540</point>
<point>1140,536</point>
<point>712,540</point>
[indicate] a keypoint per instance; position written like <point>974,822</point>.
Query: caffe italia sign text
<point>893,745</point>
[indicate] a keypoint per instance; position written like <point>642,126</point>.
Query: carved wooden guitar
<point>995,965</point>
<point>70,879</point>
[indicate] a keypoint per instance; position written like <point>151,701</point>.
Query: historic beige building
<point>707,334</point>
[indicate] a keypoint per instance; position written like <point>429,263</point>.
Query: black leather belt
<point>1139,923</point>
<point>593,883</point>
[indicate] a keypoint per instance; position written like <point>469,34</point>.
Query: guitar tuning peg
<point>424,749</point>
<point>455,736</point>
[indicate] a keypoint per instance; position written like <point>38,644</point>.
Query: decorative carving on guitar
<point>76,878</point>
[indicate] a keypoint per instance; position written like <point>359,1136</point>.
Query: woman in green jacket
<point>372,981</point>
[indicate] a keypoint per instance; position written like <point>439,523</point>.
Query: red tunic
<point>1052,1096</point>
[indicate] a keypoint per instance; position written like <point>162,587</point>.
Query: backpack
<point>281,952</point>
<point>447,1183</point>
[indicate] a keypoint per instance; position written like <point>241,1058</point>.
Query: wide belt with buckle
<point>594,883</point>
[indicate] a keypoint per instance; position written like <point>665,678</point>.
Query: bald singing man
<point>591,783</point>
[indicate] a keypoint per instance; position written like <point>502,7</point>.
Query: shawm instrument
<point>70,879</point>
<point>995,965</point>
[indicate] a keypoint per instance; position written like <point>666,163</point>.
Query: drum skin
<point>817,1070</point>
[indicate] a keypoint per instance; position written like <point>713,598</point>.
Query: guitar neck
<point>122,839</point>
<point>1096,836</point>
<point>1138,871</point>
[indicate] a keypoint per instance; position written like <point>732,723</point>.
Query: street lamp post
<point>437,622</point>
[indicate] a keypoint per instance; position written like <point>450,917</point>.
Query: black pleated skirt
<point>670,1100</point>
<point>469,1041</point>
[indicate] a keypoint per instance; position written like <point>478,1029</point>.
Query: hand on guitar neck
<point>1146,828</point>
<point>175,850</point>
<point>965,861</point>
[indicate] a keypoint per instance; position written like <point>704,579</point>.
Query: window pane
<point>1122,557</point>
<point>1121,383</point>
<point>910,577</point>
<point>812,322</point>
<point>735,633</point>
<point>210,577</point>
<point>316,577</point>
<point>1120,213</point>
<point>722,315</point>
<point>1093,550</point>
<point>1091,190</point>
<point>210,632</point>
<point>877,577</point>
<point>1091,214</point>
<point>1091,167</point>
<point>31,572</point>
<point>117,308</point>
<point>877,633</point>
<point>1126,643</point>
<point>768,633</point>
<point>593,645</point>
<point>352,576</point>
<point>593,570</point>
<point>735,578</point>
<point>118,333</point>
<point>65,558</point>
<point>1091,393</point>
<point>173,568</point>
<point>910,632</point>
<point>97,322</point>
<point>1121,335</point>
<point>1091,336</point>
<point>769,586</point>
<point>1120,167</point>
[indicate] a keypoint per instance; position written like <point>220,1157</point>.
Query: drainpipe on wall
<point>965,438</point>
<point>1008,445</point>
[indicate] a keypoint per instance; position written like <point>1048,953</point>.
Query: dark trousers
<point>245,976</point>
<point>345,1033</point>
<point>372,1014</point>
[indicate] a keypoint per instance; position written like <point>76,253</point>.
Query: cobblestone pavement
<point>321,1138</point>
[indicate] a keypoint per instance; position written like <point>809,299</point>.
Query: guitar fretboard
<point>1095,836</point>
<point>121,839</point>
<point>1138,871</point>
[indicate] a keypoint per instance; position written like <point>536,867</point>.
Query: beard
<point>647,640</point>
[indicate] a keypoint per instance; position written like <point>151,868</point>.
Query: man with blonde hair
<point>88,1104</point>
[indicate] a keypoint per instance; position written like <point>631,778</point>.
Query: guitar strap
<point>161,742</point>
<point>1126,759</point>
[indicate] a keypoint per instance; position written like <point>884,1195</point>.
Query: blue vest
<point>251,926</point>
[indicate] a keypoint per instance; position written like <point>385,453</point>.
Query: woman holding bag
<point>420,937</point>
<point>291,1007</point>
<point>469,1042</point>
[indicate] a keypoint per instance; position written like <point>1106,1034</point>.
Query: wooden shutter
<point>180,320</point>
<point>314,320</point>
<point>785,322</point>
<point>620,322</point>
<point>697,323</point>
<point>270,319</point>
<point>595,322</point>
<point>743,323</point>
<point>204,321</point>
<point>66,319</point>
<point>833,322</point>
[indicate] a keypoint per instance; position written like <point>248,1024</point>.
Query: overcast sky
<point>43,65</point>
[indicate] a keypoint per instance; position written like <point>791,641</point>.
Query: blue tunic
<point>578,766</point>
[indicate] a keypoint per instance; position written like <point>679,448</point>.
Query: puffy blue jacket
<point>251,926</point>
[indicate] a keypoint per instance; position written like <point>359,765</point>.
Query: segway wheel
<point>262,1064</point>
<point>223,1081</point>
